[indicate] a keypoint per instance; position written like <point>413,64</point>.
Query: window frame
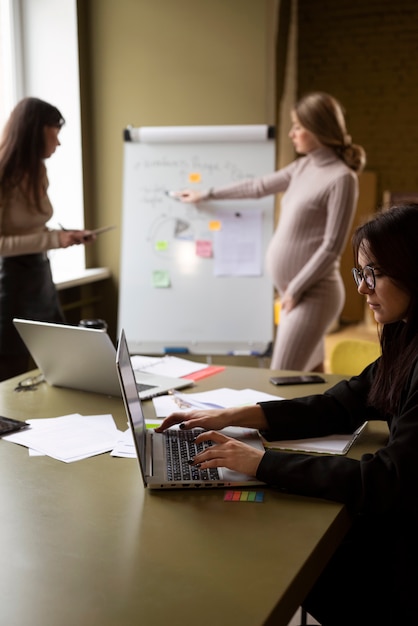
<point>40,59</point>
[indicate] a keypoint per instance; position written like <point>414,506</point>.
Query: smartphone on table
<point>9,426</point>
<point>307,379</point>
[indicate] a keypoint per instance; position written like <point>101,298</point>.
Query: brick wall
<point>365,52</point>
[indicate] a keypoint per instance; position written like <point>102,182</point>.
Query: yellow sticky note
<point>195,177</point>
<point>215,225</point>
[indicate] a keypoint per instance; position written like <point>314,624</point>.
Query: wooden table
<point>84,544</point>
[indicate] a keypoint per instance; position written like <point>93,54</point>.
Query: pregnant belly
<point>284,259</point>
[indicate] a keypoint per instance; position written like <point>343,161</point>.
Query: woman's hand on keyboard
<point>227,452</point>
<point>216,419</point>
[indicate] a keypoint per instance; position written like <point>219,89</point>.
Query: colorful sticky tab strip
<point>244,496</point>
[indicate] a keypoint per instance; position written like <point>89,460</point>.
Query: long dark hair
<point>391,239</point>
<point>323,115</point>
<point>23,146</point>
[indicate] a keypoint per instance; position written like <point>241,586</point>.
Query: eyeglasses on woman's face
<point>367,274</point>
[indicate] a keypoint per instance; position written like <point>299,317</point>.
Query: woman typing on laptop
<point>26,286</point>
<point>379,554</point>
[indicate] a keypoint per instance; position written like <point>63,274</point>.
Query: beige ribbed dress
<point>303,257</point>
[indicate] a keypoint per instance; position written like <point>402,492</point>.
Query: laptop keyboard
<point>180,447</point>
<point>144,387</point>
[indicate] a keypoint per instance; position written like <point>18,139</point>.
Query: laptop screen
<point>131,400</point>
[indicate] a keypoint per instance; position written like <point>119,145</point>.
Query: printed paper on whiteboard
<point>238,244</point>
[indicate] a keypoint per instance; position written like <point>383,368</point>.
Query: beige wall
<point>164,62</point>
<point>175,62</point>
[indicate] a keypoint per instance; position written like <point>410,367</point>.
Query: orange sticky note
<point>195,177</point>
<point>215,225</point>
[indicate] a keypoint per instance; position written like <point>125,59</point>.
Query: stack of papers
<point>216,399</point>
<point>174,366</point>
<point>70,437</point>
<point>125,446</point>
<point>166,365</point>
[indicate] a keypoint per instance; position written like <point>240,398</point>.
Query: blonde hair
<point>323,116</point>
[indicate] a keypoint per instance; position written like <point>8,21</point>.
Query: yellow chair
<point>349,357</point>
<point>277,309</point>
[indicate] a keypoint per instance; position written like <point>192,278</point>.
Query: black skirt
<point>27,291</point>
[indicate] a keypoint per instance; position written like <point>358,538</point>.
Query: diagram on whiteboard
<point>192,276</point>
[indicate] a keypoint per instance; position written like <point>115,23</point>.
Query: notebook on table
<point>164,456</point>
<point>84,359</point>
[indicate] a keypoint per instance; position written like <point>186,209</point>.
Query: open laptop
<point>84,358</point>
<point>155,450</point>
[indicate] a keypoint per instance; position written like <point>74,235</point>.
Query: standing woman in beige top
<point>317,210</point>
<point>26,286</point>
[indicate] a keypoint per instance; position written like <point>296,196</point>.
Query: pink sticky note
<point>204,248</point>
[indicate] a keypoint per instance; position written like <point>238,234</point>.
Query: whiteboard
<point>173,296</point>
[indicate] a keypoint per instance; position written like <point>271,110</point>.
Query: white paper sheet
<point>217,398</point>
<point>166,366</point>
<point>125,446</point>
<point>70,437</point>
<point>238,244</point>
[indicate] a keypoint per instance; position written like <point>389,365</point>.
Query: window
<point>10,83</point>
<point>39,57</point>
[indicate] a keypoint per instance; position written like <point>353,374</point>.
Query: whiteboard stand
<point>170,300</point>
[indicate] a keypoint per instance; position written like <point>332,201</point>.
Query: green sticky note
<point>161,278</point>
<point>161,245</point>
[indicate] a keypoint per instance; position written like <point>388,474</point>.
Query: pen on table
<point>181,403</point>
